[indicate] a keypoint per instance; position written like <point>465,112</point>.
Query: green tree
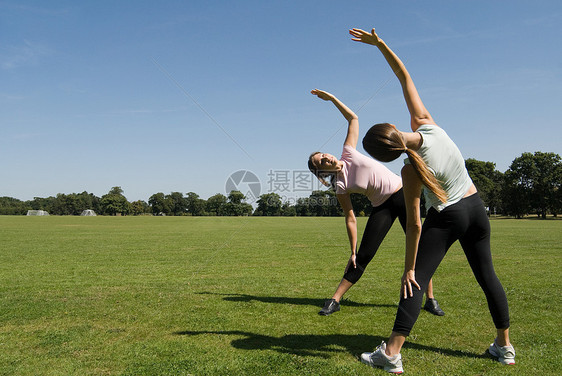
<point>548,183</point>
<point>269,204</point>
<point>195,205</point>
<point>116,191</point>
<point>139,207</point>
<point>66,204</point>
<point>236,197</point>
<point>88,201</point>
<point>39,203</point>
<point>114,202</point>
<point>361,204</point>
<point>13,206</point>
<point>515,195</point>
<point>235,205</point>
<point>178,203</point>
<point>288,210</point>
<point>302,208</point>
<point>241,209</point>
<point>532,184</point>
<point>487,180</point>
<point>324,204</point>
<point>159,204</point>
<point>216,203</point>
<point>557,205</point>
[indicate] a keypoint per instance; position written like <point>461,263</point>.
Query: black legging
<point>380,221</point>
<point>466,221</point>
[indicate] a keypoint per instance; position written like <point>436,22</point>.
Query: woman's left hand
<point>365,37</point>
<point>409,279</point>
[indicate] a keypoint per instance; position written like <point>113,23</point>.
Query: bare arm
<point>418,113</point>
<point>351,226</point>
<point>412,190</point>
<point>353,122</point>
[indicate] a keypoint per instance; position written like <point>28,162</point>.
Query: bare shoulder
<point>409,172</point>
<point>411,181</point>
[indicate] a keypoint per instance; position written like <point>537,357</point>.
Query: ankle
<point>391,351</point>
<point>395,343</point>
<point>501,342</point>
<point>390,355</point>
<point>502,337</point>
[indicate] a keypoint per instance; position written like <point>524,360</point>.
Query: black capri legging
<point>466,221</point>
<point>380,221</point>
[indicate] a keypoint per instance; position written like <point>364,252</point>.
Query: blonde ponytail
<point>426,176</point>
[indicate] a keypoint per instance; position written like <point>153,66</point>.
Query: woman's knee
<point>354,274</point>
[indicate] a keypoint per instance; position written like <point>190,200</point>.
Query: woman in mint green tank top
<point>456,213</point>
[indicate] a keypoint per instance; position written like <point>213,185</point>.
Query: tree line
<point>531,185</point>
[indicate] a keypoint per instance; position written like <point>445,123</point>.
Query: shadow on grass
<point>319,345</point>
<point>288,300</point>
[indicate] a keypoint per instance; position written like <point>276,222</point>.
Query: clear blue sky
<point>177,95</point>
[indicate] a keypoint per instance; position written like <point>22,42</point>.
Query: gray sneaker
<point>505,354</point>
<point>378,358</point>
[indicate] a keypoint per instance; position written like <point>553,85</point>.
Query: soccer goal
<point>37,212</point>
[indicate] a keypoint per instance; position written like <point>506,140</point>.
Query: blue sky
<point>178,95</point>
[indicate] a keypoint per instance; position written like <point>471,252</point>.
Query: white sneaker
<point>505,354</point>
<point>378,358</point>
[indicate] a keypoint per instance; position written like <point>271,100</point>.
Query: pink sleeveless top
<point>362,174</point>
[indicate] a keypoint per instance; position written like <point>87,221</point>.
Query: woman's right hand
<point>322,94</point>
<point>351,262</point>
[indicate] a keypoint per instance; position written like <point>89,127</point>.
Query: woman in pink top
<point>357,173</point>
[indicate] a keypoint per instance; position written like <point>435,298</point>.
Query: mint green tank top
<point>445,161</point>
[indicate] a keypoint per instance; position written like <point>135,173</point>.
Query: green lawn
<point>240,296</point>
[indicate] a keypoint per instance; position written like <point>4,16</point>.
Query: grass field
<point>240,296</point>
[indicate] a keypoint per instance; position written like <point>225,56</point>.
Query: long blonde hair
<point>385,143</point>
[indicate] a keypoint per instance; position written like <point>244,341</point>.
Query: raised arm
<point>418,113</point>
<point>352,120</point>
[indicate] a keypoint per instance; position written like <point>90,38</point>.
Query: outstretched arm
<point>418,113</point>
<point>412,189</point>
<point>353,121</point>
